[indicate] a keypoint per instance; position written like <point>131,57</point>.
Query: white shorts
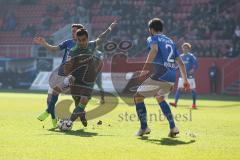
<point>57,84</point>
<point>65,90</point>
<point>153,88</point>
<point>190,80</point>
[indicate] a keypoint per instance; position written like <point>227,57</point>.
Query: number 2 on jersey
<point>170,58</point>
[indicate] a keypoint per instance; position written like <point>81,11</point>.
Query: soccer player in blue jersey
<point>191,64</point>
<point>52,94</point>
<point>162,61</point>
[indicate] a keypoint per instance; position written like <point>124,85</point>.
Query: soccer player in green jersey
<point>83,65</point>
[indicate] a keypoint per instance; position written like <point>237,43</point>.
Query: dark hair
<point>81,32</point>
<point>156,24</point>
<point>78,26</point>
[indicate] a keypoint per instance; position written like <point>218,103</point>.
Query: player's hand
<point>71,79</point>
<point>142,76</point>
<point>39,40</point>
<point>113,25</point>
<point>186,86</point>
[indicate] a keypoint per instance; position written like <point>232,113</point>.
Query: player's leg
<point>148,88</point>
<point>79,111</point>
<point>102,97</point>
<point>178,93</point>
<point>194,93</point>
<point>99,84</point>
<point>194,97</point>
<point>176,97</point>
<point>83,88</point>
<point>51,101</point>
<point>142,114</point>
<point>165,89</point>
<point>44,114</point>
<point>57,85</point>
<point>168,114</point>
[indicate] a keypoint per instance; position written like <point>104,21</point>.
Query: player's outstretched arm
<point>103,36</point>
<point>41,41</point>
<point>183,73</point>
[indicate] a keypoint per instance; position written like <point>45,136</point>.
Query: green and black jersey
<point>84,65</point>
<point>89,50</point>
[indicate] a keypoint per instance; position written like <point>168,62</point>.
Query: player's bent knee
<point>84,100</point>
<point>49,97</point>
<point>138,98</point>
<point>55,93</point>
<point>76,100</point>
<point>160,99</point>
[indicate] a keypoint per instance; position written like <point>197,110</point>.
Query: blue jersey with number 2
<point>165,61</point>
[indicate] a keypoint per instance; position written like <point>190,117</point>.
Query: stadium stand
<point>211,26</point>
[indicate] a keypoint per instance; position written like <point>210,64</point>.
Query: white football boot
<point>141,132</point>
<point>173,132</point>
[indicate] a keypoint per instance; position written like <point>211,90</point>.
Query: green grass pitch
<point>211,132</point>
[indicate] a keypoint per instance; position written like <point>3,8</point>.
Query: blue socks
<point>51,105</point>
<point>177,95</point>
<point>167,112</point>
<point>142,114</point>
<point>194,96</point>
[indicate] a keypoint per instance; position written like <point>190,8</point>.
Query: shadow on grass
<point>167,141</point>
<point>80,133</point>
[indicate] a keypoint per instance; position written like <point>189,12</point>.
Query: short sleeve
<point>194,58</point>
<point>63,45</point>
<point>151,40</point>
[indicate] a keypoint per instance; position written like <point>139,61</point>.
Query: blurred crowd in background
<point>211,26</point>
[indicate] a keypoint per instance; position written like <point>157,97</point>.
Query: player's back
<point>165,60</point>
<point>167,52</point>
